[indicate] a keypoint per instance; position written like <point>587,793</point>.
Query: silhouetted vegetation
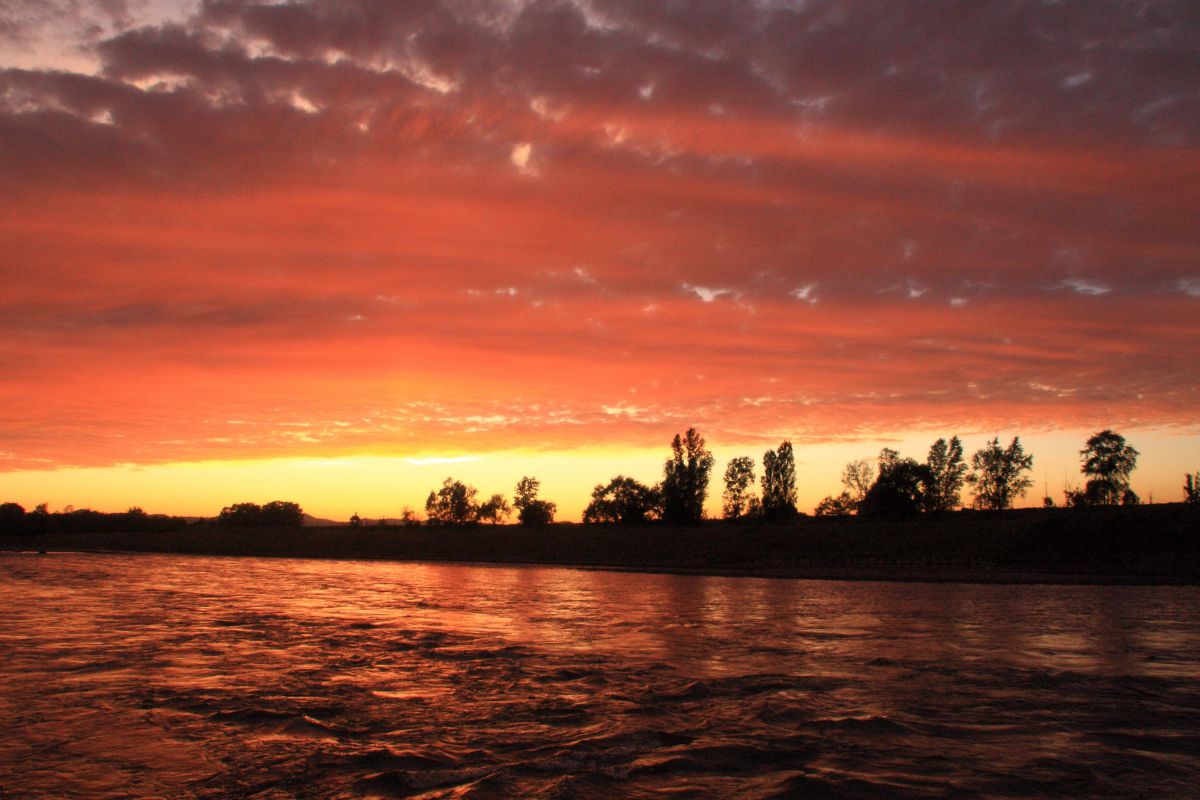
<point>685,479</point>
<point>737,499</point>
<point>275,514</point>
<point>1137,544</point>
<point>779,484</point>
<point>999,474</point>
<point>899,491</point>
<point>947,474</point>
<point>14,521</point>
<point>843,505</point>
<point>453,504</point>
<point>623,500</point>
<point>495,510</point>
<point>1191,488</point>
<point>876,502</point>
<point>857,476</point>
<point>1107,464</point>
<point>12,518</point>
<point>531,510</point>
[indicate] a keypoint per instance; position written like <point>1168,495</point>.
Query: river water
<point>139,676</point>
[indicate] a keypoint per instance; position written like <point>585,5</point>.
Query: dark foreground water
<point>192,677</point>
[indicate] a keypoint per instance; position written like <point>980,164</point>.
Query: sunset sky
<point>332,252</point>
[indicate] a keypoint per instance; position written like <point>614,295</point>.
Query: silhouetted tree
<point>857,477</point>
<point>779,483</point>
<point>685,479</point>
<point>623,500</point>
<point>38,520</point>
<point>453,504</point>
<point>1107,463</point>
<point>275,514</point>
<point>495,510</point>
<point>1191,488</point>
<point>739,477</point>
<point>282,514</point>
<point>947,474</point>
<point>241,515</point>
<point>531,510</point>
<point>899,491</point>
<point>998,475</point>
<point>841,506</point>
<point>12,518</point>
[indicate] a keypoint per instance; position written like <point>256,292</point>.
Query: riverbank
<point>1148,544</point>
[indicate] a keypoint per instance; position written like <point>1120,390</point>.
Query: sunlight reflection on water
<point>215,677</point>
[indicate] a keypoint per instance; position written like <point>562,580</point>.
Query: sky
<point>333,252</point>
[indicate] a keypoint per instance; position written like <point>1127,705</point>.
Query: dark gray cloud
<point>460,76</point>
<point>24,23</point>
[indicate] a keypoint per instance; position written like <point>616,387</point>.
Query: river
<point>151,676</point>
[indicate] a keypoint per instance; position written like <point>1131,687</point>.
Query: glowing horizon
<point>241,234</point>
<point>383,486</point>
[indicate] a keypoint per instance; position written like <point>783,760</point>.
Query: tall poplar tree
<point>779,483</point>
<point>947,474</point>
<point>685,479</point>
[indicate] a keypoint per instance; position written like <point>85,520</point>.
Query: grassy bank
<point>1159,543</point>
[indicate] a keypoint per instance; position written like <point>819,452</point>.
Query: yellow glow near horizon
<point>382,486</point>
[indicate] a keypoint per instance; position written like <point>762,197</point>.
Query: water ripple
<point>185,677</point>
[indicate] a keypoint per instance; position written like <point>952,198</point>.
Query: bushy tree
<point>998,474</point>
<point>623,500</point>
<point>531,510</point>
<point>779,483</point>
<point>275,514</point>
<point>282,514</point>
<point>899,491</point>
<point>947,474</point>
<point>685,479</point>
<point>739,477</point>
<point>857,477</point>
<point>841,506</point>
<point>495,510</point>
<point>241,515</point>
<point>453,504</point>
<point>1107,463</point>
<point>12,518</point>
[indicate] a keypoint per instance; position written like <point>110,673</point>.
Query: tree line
<point>14,519</point>
<point>890,486</point>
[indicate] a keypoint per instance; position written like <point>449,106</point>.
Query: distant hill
<point>317,522</point>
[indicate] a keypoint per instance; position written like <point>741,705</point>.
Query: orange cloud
<point>314,230</point>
